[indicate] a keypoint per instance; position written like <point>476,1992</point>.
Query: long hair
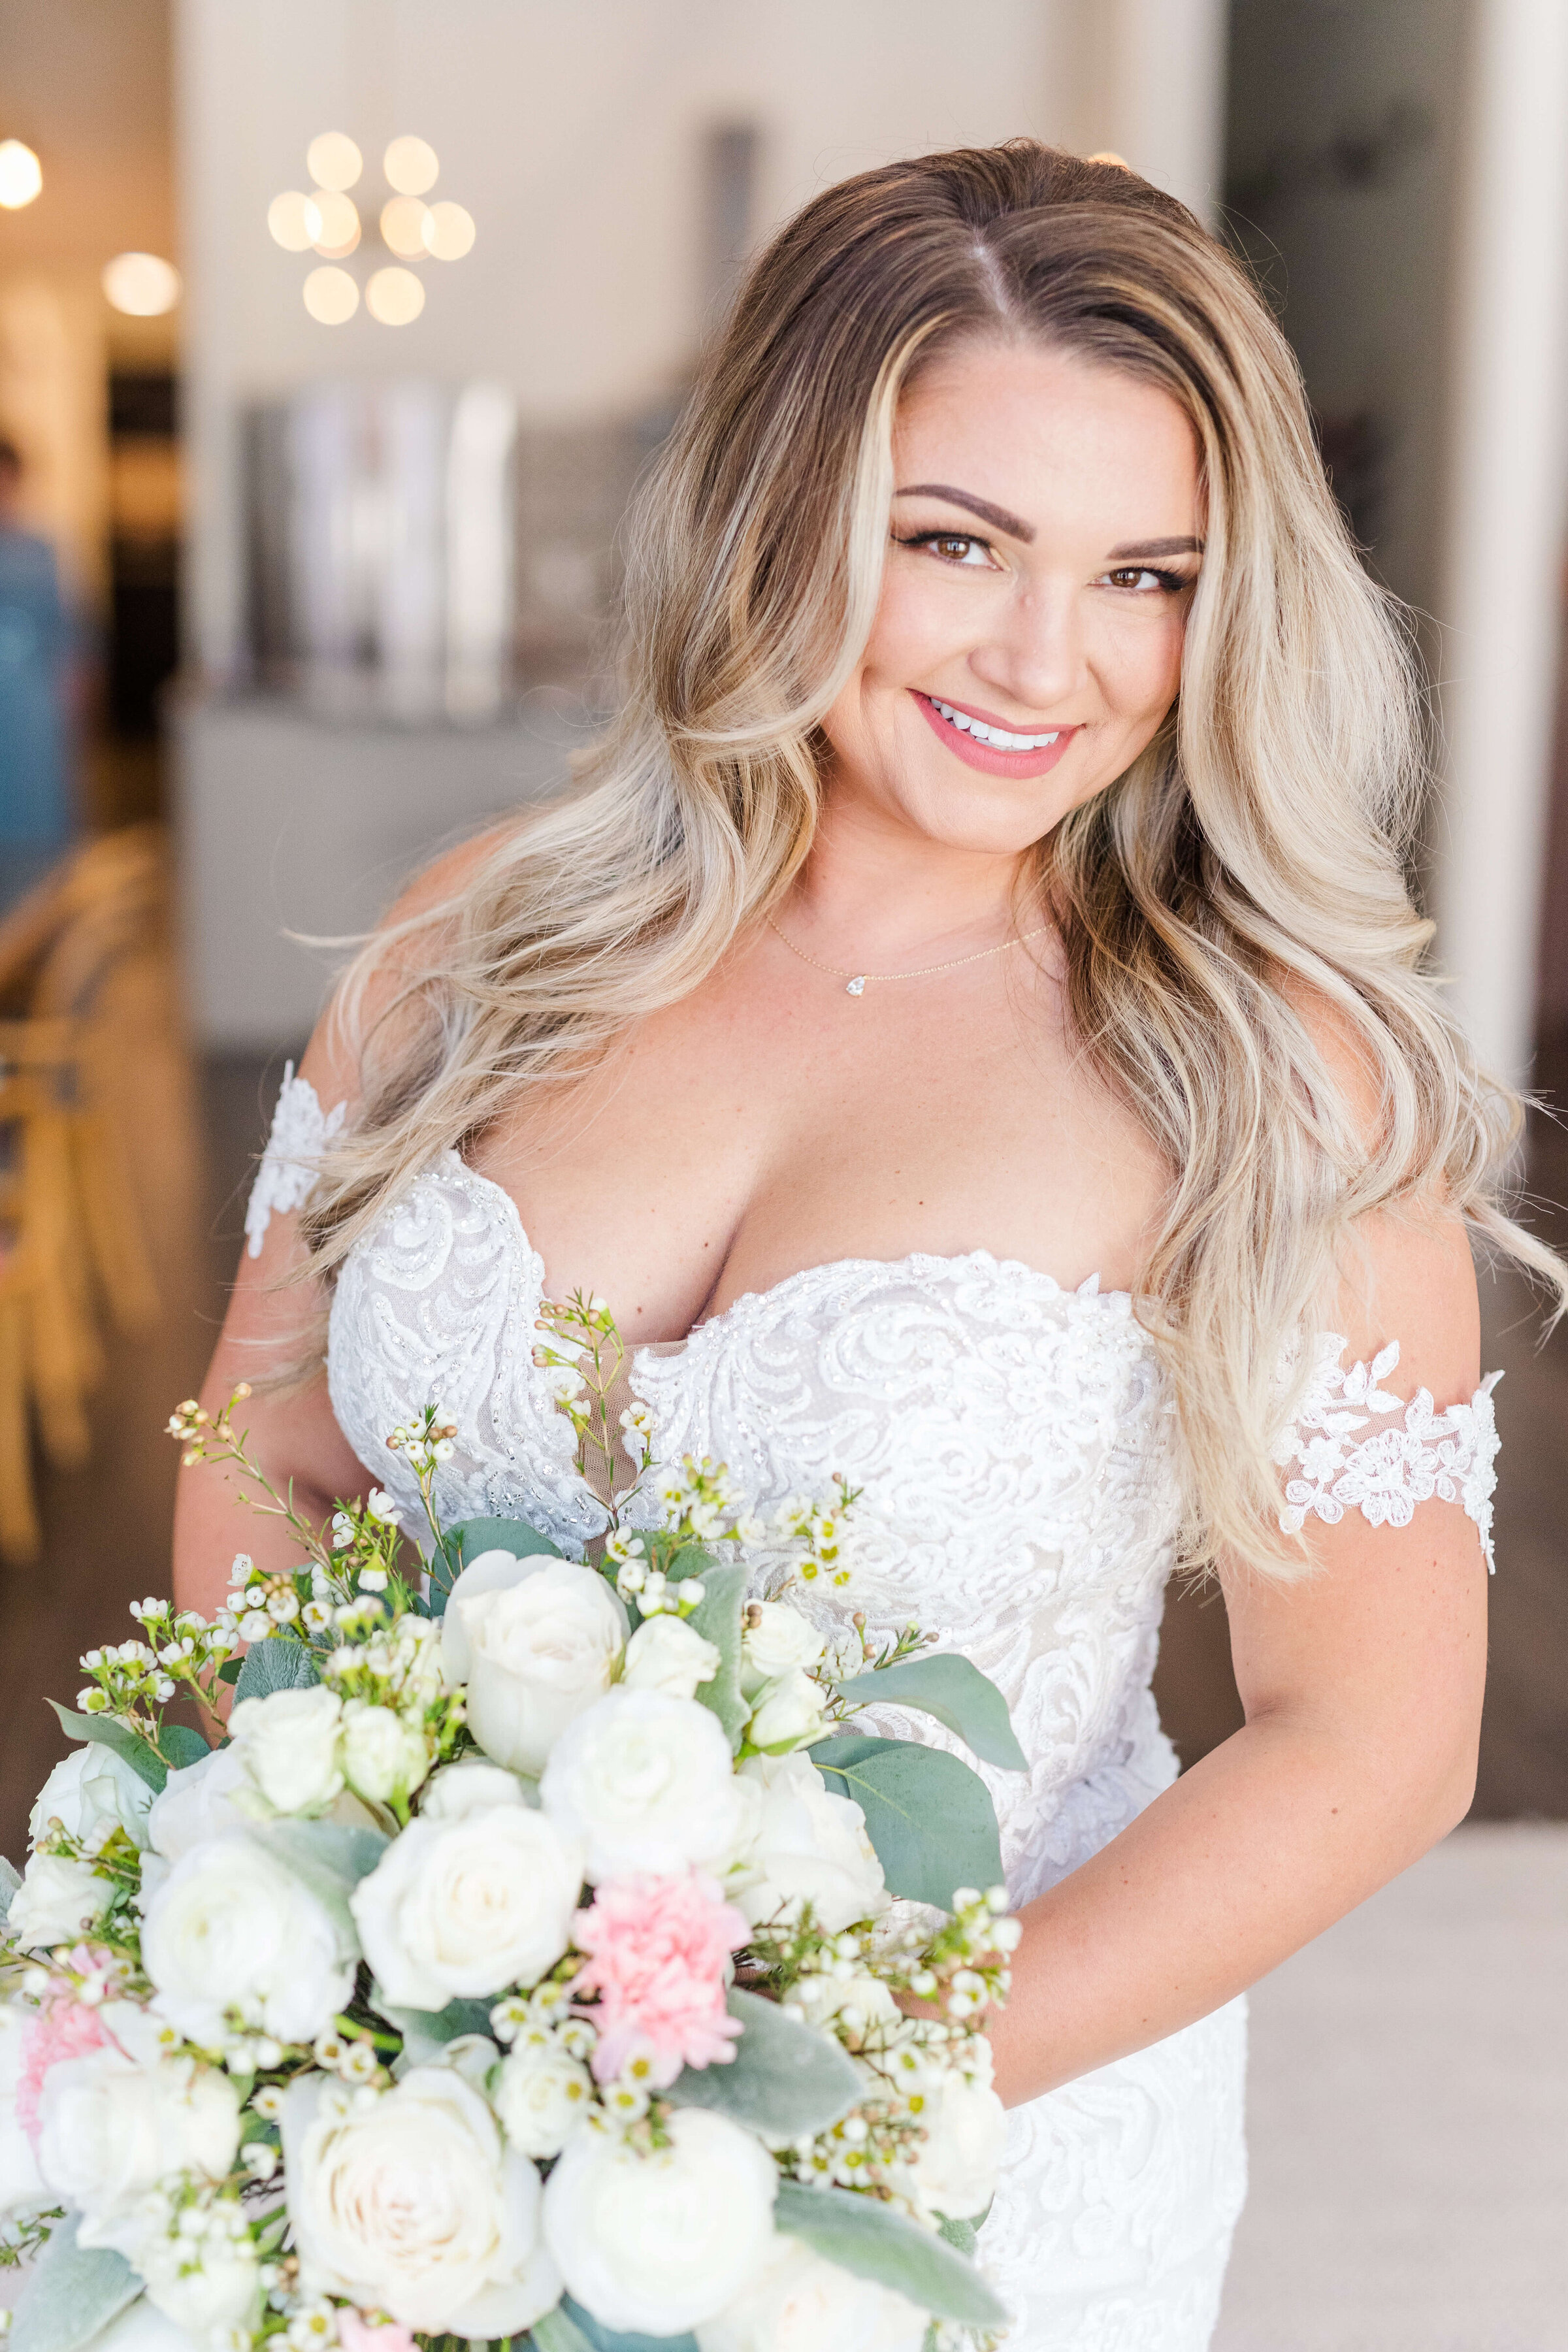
<point>1250,862</point>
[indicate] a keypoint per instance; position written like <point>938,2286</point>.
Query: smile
<point>997,737</point>
<point>996,750</point>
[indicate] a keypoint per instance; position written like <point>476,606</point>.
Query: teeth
<point>997,737</point>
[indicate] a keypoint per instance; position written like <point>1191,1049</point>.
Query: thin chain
<point>926,970</point>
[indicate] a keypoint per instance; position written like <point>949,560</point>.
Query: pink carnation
<point>658,1950</point>
<point>62,2028</point>
<point>358,2333</point>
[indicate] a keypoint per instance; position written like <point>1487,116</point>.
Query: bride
<point>968,1019</point>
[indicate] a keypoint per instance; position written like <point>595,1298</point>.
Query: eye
<point>954,547</point>
<point>1139,580</point>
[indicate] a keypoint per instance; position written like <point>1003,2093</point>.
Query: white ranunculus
<point>648,1785</point>
<point>541,1648</point>
<point>789,1714</point>
<point>382,1755</point>
<point>93,1793</point>
<point>667,1655</point>
<point>857,2003</point>
<point>56,1901</point>
<point>22,2187</point>
<point>462,1908</point>
<point>472,1785</point>
<point>143,2327</point>
<point>287,1743</point>
<point>413,2204</point>
<point>114,2122</point>
<point>811,1847</point>
<point>775,1640</point>
<point>232,1927</point>
<point>955,2169</point>
<point>197,1803</point>
<point>207,2286</point>
<point>803,2303</point>
<point>540,2095</point>
<point>655,2243</point>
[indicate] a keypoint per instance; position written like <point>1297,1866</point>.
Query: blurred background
<point>333,335</point>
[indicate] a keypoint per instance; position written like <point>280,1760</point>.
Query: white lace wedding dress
<point>1012,1440</point>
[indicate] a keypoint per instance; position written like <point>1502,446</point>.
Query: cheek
<point>1141,672</point>
<point>916,625</point>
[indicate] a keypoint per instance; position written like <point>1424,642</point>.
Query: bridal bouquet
<point>529,1958</point>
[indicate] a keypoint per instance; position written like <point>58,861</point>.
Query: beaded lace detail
<point>301,1131</point>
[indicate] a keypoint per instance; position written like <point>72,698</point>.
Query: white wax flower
<point>232,1927</point>
<point>22,2187</point>
<point>542,1647</point>
<point>92,1793</point>
<point>287,1743</point>
<point>56,1901</point>
<point>421,1663</point>
<point>382,1755</point>
<point>466,1907</point>
<point>811,1846</point>
<point>790,1712</point>
<point>208,2286</point>
<point>413,2204</point>
<point>775,1640</point>
<point>471,1785</point>
<point>655,2243</point>
<point>115,2121</point>
<point>667,1655</point>
<point>540,2095</point>
<point>954,2170</point>
<point>197,1802</point>
<point>803,2303</point>
<point>859,2003</point>
<point>648,1784</point>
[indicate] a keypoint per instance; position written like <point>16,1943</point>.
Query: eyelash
<point>1171,583</point>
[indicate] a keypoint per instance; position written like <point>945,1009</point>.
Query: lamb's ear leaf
<point>277,1664</point>
<point>872,2241</point>
<point>601,2338</point>
<point>10,1879</point>
<point>954,1690</point>
<point>962,2234</point>
<point>784,2080</point>
<point>128,1745</point>
<point>929,1815</point>
<point>74,2291</point>
<point>717,1617</point>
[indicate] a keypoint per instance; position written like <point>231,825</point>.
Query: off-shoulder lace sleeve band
<point>1417,1453</point>
<point>301,1131</point>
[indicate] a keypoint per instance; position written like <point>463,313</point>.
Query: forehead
<point>1053,437</point>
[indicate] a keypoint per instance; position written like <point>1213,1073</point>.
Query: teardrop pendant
<point>856,987</point>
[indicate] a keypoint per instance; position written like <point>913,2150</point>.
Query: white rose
<point>667,1655</point>
<point>775,1640</point>
<point>413,2204</point>
<point>540,2095</point>
<point>648,1785</point>
<point>93,1793</point>
<point>803,2303</point>
<point>955,2169</point>
<point>471,1785</point>
<point>56,1901</point>
<point>232,1927</point>
<point>811,1847</point>
<point>652,2244</point>
<point>461,1908</point>
<point>22,2187</point>
<point>542,1646</point>
<point>113,2122</point>
<point>287,1743</point>
<point>197,1803</point>
<point>859,2003</point>
<point>382,1755</point>
<point>789,1714</point>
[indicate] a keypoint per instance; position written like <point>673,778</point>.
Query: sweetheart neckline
<point>1089,1288</point>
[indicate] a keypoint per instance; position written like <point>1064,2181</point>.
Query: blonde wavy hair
<point>1250,862</point>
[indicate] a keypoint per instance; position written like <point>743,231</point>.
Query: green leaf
<point>784,2080</point>
<point>231,1670</point>
<point>426,2031</point>
<point>463,1544</point>
<point>277,1664</point>
<point>127,1744</point>
<point>557,2333</point>
<point>717,1617</point>
<point>867,2238</point>
<point>10,1879</point>
<point>73,2292</point>
<point>328,1858</point>
<point>609,2340</point>
<point>964,2235</point>
<point>955,1691</point>
<point>929,1815</point>
<point>182,1745</point>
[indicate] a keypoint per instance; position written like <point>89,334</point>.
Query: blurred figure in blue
<point>36,814</point>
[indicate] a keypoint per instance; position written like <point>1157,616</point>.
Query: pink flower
<point>62,2028</point>
<point>359,2333</point>
<point>657,1952</point>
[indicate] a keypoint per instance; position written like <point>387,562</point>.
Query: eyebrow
<point>1156,547</point>
<point>997,517</point>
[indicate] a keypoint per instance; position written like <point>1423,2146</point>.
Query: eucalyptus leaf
<point>557,2333</point>
<point>929,1815</point>
<point>952,1689</point>
<point>426,2031</point>
<point>277,1664</point>
<point>867,2238</point>
<point>328,1858</point>
<point>785,2079</point>
<point>717,1617</point>
<point>182,1746</point>
<point>73,2292</point>
<point>609,2340</point>
<point>127,1744</point>
<point>462,1545</point>
<point>10,1879</point>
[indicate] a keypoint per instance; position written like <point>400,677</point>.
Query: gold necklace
<point>855,981</point>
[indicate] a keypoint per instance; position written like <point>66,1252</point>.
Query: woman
<point>970,1013</point>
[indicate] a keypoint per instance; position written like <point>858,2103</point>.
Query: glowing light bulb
<point>333,160</point>
<point>448,231</point>
<point>330,297</point>
<point>295,221</point>
<point>395,297</point>
<point>402,226</point>
<point>410,166</point>
<point>339,220</point>
<point>22,175</point>
<point>141,285</point>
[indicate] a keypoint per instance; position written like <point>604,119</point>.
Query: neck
<point>880,891</point>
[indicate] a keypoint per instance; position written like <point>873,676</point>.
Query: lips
<point>987,744</point>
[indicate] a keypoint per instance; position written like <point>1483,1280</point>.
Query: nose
<point>1035,654</point>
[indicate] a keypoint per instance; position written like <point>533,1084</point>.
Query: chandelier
<point>326,221</point>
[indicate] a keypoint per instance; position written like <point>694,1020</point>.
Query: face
<point>1046,535</point>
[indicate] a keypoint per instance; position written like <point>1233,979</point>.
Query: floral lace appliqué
<point>1450,1456</point>
<point>301,1131</point>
